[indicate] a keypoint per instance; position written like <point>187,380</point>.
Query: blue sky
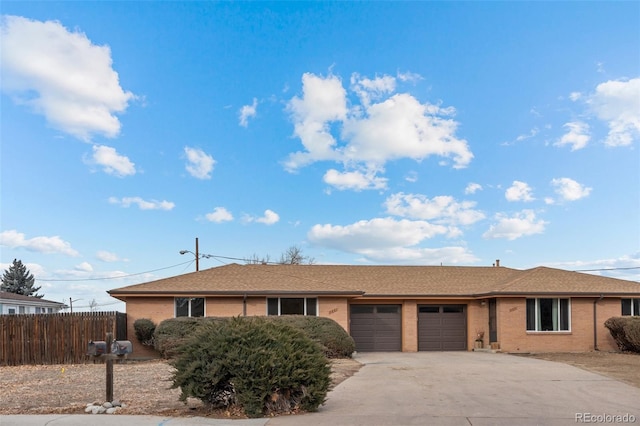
<point>428,133</point>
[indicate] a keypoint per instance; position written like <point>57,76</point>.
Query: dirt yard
<point>620,366</point>
<point>144,387</point>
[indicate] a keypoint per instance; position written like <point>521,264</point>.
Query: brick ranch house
<point>404,308</point>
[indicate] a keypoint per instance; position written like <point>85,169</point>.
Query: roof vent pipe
<point>497,263</point>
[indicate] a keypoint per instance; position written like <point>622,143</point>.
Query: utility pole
<point>197,256</point>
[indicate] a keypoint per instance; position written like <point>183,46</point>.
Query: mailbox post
<point>109,350</point>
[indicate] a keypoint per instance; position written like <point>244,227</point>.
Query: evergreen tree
<point>17,279</point>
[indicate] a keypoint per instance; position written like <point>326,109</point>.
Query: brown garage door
<point>376,328</point>
<point>442,328</point>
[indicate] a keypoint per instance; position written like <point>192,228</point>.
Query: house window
<point>21,309</point>
<point>292,306</point>
<point>631,307</point>
<point>39,310</point>
<point>11,311</point>
<point>548,315</point>
<point>189,306</point>
<point>50,310</point>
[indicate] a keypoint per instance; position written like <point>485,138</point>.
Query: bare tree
<point>93,305</point>
<point>294,256</point>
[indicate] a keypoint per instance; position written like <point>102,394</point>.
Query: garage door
<point>376,328</point>
<point>442,328</point>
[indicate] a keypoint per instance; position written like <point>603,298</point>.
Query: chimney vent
<point>497,263</point>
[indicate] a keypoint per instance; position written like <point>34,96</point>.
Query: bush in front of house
<point>626,332</point>
<point>172,333</point>
<point>335,341</point>
<point>144,329</point>
<point>263,367</point>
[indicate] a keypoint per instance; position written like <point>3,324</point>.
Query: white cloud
<point>569,189</point>
<point>219,215</point>
<point>411,177</point>
<point>521,224</point>
<point>389,240</point>
<point>472,188</point>
<point>409,76</point>
<point>383,127</point>
<point>441,209</point>
<point>143,204</point>
<point>106,256</point>
<point>533,132</point>
<point>84,267</point>
<point>355,180</point>
<point>199,164</point>
<point>15,239</point>
<point>71,82</point>
<point>112,163</point>
<point>574,96</point>
<point>270,217</point>
<point>617,102</point>
<point>519,191</point>
<point>368,90</point>
<point>246,112</point>
<point>577,135</point>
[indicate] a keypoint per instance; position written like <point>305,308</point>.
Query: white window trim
<point>175,306</point>
<point>537,313</point>
<point>304,305</point>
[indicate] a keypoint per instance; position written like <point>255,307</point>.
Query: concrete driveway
<point>470,388</point>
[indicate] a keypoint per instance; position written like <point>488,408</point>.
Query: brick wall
<point>514,337</point>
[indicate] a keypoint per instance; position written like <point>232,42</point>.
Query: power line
<point>115,278</point>
<point>607,269</point>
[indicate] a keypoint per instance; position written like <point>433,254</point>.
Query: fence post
<point>109,377</point>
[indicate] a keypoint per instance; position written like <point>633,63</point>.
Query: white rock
<point>107,405</point>
<point>88,409</point>
<point>111,410</point>
<point>101,410</point>
<point>94,409</point>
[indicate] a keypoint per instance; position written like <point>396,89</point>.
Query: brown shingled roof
<point>381,281</point>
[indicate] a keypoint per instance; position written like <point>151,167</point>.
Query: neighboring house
<point>14,304</point>
<point>405,308</point>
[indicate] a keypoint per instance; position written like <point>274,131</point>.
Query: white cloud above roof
<point>199,163</point>
<point>388,240</point>
<point>219,215</point>
<point>472,188</point>
<point>355,180</point>
<point>111,162</point>
<point>247,112</point>
<point>268,218</point>
<point>442,209</point>
<point>617,102</point>
<point>142,203</point>
<point>577,135</point>
<point>520,224</point>
<point>49,245</point>
<point>519,191</point>
<point>382,127</point>
<point>569,189</point>
<point>73,83</point>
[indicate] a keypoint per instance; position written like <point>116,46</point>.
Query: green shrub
<point>144,329</point>
<point>172,333</point>
<point>264,367</point>
<point>626,332</point>
<point>335,341</point>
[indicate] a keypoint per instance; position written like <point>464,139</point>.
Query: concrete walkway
<point>439,388</point>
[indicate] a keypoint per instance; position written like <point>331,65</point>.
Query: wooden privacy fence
<point>55,338</point>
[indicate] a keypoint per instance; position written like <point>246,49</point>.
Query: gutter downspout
<point>244,305</point>
<point>595,324</point>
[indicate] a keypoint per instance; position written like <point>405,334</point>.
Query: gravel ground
<point>143,386</point>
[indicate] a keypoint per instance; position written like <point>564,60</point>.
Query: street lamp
<point>71,304</point>
<point>196,254</point>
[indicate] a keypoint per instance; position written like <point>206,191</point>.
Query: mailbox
<point>121,347</point>
<point>97,348</point>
